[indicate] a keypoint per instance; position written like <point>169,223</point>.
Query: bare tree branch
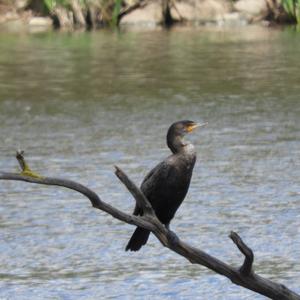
<point>141,200</point>
<point>244,276</point>
<point>246,268</point>
<point>129,9</point>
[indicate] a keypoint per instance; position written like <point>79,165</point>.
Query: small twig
<point>20,159</point>
<point>26,171</point>
<point>246,268</point>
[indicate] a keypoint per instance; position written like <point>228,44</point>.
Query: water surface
<point>80,103</point>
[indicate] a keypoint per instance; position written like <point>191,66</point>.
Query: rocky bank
<point>30,14</point>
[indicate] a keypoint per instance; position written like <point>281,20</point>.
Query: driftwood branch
<point>243,276</point>
<point>129,9</point>
<point>246,268</point>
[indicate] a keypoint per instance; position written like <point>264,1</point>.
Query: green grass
<point>110,8</point>
<point>51,4</point>
<point>292,8</point>
<point>115,13</point>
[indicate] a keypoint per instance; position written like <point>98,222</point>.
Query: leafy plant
<point>292,8</point>
<point>297,9</point>
<point>115,13</point>
<point>51,4</point>
<point>110,9</point>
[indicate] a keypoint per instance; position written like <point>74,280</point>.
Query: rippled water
<point>80,103</point>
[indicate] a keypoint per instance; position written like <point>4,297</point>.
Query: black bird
<point>166,185</point>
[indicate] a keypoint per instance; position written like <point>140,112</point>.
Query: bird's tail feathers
<point>138,239</point>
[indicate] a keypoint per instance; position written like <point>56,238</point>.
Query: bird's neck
<point>178,145</point>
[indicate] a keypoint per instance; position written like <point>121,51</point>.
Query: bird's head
<point>178,130</point>
<point>181,128</point>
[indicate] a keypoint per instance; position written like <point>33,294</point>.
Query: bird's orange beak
<point>190,128</point>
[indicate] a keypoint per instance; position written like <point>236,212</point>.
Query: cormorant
<point>166,185</point>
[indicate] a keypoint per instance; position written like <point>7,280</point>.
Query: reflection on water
<point>78,104</point>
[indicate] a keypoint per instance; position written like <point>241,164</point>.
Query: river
<point>80,103</point>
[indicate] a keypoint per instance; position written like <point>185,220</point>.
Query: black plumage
<point>166,185</point>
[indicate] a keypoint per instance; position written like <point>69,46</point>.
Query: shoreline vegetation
<point>40,15</point>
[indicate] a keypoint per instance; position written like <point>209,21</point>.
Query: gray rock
<point>148,16</point>
<point>21,4</point>
<point>234,19</point>
<point>200,11</point>
<point>253,10</point>
<point>183,11</point>
<point>40,22</point>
